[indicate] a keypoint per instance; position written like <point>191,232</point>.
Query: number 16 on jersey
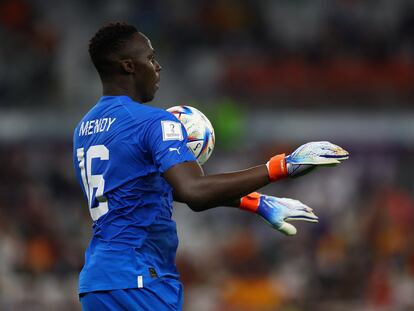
<point>90,181</point>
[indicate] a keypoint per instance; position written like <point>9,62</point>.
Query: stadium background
<point>271,75</point>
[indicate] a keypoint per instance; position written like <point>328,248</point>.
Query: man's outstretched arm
<point>275,211</point>
<point>201,192</point>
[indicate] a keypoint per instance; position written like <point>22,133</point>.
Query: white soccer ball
<point>200,132</point>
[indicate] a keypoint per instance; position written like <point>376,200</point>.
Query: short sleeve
<point>166,139</point>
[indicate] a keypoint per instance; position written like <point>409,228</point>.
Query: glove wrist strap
<point>250,202</point>
<point>277,168</point>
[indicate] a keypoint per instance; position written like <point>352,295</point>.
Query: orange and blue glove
<point>304,159</point>
<point>276,211</point>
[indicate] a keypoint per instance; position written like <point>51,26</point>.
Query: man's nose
<point>157,66</point>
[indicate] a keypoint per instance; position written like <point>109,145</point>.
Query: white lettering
<point>110,123</point>
<point>90,127</point>
<point>95,126</point>
<point>103,124</point>
<point>83,128</point>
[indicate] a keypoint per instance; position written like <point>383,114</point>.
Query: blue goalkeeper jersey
<point>121,149</point>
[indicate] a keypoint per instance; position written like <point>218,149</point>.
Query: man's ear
<point>128,65</point>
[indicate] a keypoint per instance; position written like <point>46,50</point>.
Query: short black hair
<point>109,39</point>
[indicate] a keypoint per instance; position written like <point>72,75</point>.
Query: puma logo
<point>175,149</point>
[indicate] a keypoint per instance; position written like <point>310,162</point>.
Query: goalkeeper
<point>130,164</point>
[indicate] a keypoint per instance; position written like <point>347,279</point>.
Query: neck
<point>110,89</point>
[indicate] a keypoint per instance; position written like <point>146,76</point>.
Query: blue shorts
<point>160,295</point>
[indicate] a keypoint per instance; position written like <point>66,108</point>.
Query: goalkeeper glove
<point>276,211</point>
<point>304,159</point>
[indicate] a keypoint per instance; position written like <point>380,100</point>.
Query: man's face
<point>147,69</point>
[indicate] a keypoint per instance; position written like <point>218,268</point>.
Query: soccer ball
<point>200,132</point>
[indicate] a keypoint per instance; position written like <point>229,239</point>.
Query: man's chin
<point>148,98</point>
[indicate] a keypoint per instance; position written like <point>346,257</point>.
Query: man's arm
<point>201,192</point>
<point>275,211</point>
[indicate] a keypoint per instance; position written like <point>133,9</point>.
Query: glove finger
<point>303,218</point>
<point>333,151</point>
<point>287,228</point>
<point>290,201</point>
<point>314,160</point>
<point>304,208</point>
<point>323,160</point>
<point>335,156</point>
<point>303,215</point>
<point>295,206</point>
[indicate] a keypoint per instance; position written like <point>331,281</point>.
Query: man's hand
<point>276,211</point>
<point>308,156</point>
<point>304,159</point>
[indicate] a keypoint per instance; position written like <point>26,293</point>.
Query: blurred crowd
<point>245,48</point>
<point>238,57</point>
<point>360,256</point>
